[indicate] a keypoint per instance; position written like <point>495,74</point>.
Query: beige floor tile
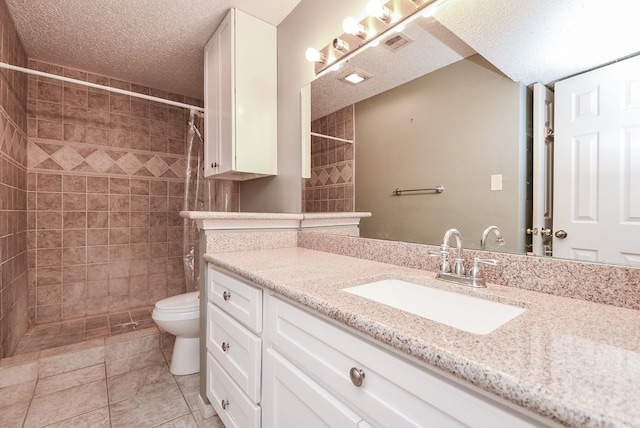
<point>19,373</point>
<point>185,421</point>
<point>212,422</point>
<point>148,410</point>
<point>98,418</point>
<point>51,384</point>
<point>137,382</point>
<point>123,365</point>
<point>135,343</point>
<point>62,405</point>
<point>58,364</point>
<point>190,387</point>
<point>16,393</point>
<point>98,322</point>
<point>13,416</point>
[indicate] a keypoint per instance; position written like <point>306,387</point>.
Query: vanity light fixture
<point>313,55</point>
<point>353,27</point>
<point>382,20</point>
<point>377,9</point>
<point>340,45</point>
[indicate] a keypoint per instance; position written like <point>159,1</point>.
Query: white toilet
<point>180,316</point>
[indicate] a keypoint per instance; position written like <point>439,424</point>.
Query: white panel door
<point>597,165</point>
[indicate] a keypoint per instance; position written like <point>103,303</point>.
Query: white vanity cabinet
<point>338,374</point>
<point>234,349</point>
<point>240,99</point>
<point>314,372</point>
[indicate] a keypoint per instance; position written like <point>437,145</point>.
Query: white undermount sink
<point>467,313</point>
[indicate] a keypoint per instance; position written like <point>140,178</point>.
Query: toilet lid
<point>180,303</point>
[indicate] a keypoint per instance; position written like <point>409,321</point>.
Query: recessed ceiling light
<point>354,77</point>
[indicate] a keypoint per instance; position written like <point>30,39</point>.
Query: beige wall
<point>312,23</point>
<point>454,127</point>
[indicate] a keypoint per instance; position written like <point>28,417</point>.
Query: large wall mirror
<point>452,107</point>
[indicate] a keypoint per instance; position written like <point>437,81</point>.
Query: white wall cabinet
<point>310,367</point>
<point>240,99</point>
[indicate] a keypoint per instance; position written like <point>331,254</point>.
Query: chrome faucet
<point>458,267</point>
<point>496,230</point>
<point>475,278</point>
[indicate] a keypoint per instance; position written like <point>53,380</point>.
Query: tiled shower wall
<point>105,185</point>
<point>330,187</point>
<point>13,190</point>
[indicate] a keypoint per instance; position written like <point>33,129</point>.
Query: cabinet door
<point>211,104</point>
<point>256,74</point>
<point>394,392</point>
<point>219,102</point>
<point>226,145</point>
<point>292,399</point>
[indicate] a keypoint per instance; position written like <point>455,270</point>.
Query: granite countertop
<point>571,361</point>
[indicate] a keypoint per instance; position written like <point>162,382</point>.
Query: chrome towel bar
<point>437,189</point>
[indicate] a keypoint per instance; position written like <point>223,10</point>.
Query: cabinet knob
<point>226,295</point>
<point>225,346</point>
<point>214,164</point>
<point>356,375</point>
<point>225,404</point>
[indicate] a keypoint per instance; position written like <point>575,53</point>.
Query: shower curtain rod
<point>95,85</point>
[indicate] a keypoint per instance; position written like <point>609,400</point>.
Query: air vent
<point>397,42</point>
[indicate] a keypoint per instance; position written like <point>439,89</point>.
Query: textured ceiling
<point>546,40</point>
<point>155,43</point>
<point>529,41</point>
<point>159,43</point>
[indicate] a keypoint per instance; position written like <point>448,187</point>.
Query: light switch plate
<point>496,182</point>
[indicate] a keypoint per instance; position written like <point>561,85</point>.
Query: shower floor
<point>52,335</point>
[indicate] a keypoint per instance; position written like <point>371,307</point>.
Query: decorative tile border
<point>69,157</point>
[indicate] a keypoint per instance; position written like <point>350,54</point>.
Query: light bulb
<point>313,55</point>
<point>377,9</point>
<point>351,26</point>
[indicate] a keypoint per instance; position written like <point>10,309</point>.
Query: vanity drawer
<point>394,391</point>
<point>236,349</point>
<point>238,411</point>
<point>239,299</point>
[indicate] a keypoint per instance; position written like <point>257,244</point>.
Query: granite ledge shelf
<point>214,220</point>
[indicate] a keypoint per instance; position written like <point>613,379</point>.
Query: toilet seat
<point>181,307</point>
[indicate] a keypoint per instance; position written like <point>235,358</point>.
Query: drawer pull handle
<point>226,295</point>
<point>356,375</point>
<point>225,346</point>
<point>225,404</point>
